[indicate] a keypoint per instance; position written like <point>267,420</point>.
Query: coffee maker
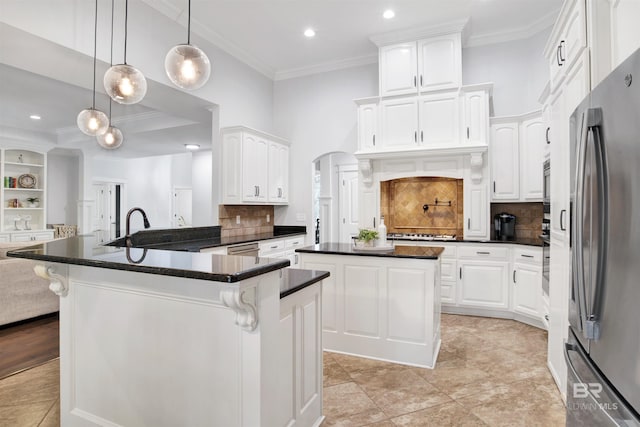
<point>505,226</point>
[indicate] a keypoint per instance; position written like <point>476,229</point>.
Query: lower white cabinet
<point>282,248</point>
<point>299,390</point>
<point>32,236</point>
<point>483,284</point>
<point>527,294</point>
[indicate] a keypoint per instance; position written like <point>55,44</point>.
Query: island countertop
<point>86,251</point>
<point>399,251</point>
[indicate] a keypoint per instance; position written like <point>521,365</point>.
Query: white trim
<point>421,151</point>
<point>519,33</point>
<point>324,67</point>
<point>413,34</point>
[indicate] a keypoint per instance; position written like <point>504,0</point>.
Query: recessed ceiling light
<point>388,14</point>
<point>309,32</point>
<point>192,146</point>
<point>35,117</point>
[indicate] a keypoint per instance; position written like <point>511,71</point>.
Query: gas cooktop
<point>415,236</point>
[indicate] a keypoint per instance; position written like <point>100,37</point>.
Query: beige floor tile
<point>386,423</point>
<point>452,376</point>
<point>333,373</point>
<point>448,414</point>
<point>344,400</point>
<point>26,414</point>
<point>401,392</point>
<point>370,417</point>
<point>39,384</point>
<point>359,366</point>
<point>52,419</point>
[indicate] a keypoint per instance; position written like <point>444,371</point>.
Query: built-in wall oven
<point>546,188</point>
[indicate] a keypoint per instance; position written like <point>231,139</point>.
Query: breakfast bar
<point>380,304</point>
<point>168,338</point>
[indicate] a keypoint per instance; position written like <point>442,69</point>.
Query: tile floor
<point>490,372</point>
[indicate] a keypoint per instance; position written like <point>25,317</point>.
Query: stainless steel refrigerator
<point>603,347</point>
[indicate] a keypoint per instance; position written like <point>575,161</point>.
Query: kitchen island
<point>166,338</point>
<point>380,304</point>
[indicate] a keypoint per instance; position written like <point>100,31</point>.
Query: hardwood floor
<point>27,344</point>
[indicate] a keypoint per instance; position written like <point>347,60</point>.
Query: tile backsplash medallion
<point>402,204</point>
<point>528,218</point>
<point>253,220</point>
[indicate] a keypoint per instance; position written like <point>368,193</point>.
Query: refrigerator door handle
<point>577,224</point>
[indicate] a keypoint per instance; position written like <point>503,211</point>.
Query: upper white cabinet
<point>23,193</point>
<point>421,66</point>
<point>475,121</point>
<point>399,123</point>
<point>517,154</point>
<point>438,118</point>
<point>367,123</point>
<point>254,167</point>
<point>569,39</point>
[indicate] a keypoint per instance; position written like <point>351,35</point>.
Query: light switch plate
<point>237,219</point>
<point>268,218</point>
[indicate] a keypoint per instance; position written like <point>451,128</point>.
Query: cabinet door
<point>367,126</point>
<point>475,209</point>
<point>625,31</point>
<point>439,62</point>
<point>546,122</point>
<point>439,119</point>
<point>398,67</point>
<point>504,161</point>
<point>367,208</point>
<point>532,145</point>
<point>254,168</point>
<point>399,123</point>
<point>231,166</point>
<point>483,284</point>
<point>575,34</point>
<point>527,289</point>
<point>22,237</point>
<point>476,117</point>
<point>278,172</point>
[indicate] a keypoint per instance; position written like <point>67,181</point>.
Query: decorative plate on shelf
<point>26,181</point>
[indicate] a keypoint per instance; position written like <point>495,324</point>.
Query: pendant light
<point>91,121</point>
<point>187,66</point>
<point>113,137</point>
<point>125,84</point>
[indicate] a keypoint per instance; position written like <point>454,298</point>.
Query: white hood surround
<point>467,163</point>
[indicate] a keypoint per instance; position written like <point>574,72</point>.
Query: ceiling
<point>268,34</point>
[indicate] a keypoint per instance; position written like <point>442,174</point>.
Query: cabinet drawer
<point>484,252</point>
<point>448,270</point>
<point>528,255</point>
<point>294,242</point>
<point>271,246</point>
<point>448,292</point>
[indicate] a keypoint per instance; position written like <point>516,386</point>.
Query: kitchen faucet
<point>128,225</point>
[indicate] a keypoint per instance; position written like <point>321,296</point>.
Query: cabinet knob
<point>547,135</point>
<point>421,80</point>
<point>415,136</point>
<point>374,139</point>
<point>514,276</point>
<point>421,136</point>
<point>414,81</point>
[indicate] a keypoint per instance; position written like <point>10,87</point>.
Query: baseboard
<point>500,314</point>
<point>55,314</point>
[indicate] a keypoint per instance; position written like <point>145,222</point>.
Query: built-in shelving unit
<point>23,215</point>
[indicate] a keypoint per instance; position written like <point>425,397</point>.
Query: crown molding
<point>417,33</point>
<point>519,33</point>
<point>324,67</point>
<point>208,34</point>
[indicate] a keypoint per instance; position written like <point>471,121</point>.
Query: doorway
<point>348,202</point>
<point>181,206</point>
<point>107,215</point>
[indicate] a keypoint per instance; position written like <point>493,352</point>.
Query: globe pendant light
<point>187,66</point>
<point>125,84</point>
<point>112,138</point>
<point>91,121</point>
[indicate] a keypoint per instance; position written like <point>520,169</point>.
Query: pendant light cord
<point>189,25</point>
<point>111,54</point>
<point>126,20</point>
<point>95,48</point>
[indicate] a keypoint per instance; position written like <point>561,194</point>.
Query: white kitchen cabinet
<point>440,62</point>
<point>483,284</point>
<point>526,282</point>
<point>32,236</point>
<point>517,154</point>
<point>278,173</point>
<point>567,42</point>
<point>398,68</point>
<point>368,207</point>
<point>299,386</point>
<point>625,31</point>
<point>282,248</point>
<point>425,65</point>
<point>254,167</point>
<point>399,123</point>
<point>532,146</point>
<point>476,206</point>
<point>367,125</point>
<point>438,119</point>
<point>475,116</point>
<point>255,152</point>
<point>504,152</point>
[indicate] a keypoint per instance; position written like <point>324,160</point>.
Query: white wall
<point>517,69</point>
<point>317,114</point>
<point>204,211</point>
<point>62,189</point>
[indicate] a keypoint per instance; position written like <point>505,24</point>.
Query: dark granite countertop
<point>294,279</point>
<point>198,238</point>
<point>399,251</point>
<point>518,241</point>
<point>87,251</point>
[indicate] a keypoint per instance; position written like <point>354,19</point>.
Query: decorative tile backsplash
<point>402,202</point>
<point>528,218</point>
<point>253,220</point>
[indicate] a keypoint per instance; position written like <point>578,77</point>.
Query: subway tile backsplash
<point>253,220</point>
